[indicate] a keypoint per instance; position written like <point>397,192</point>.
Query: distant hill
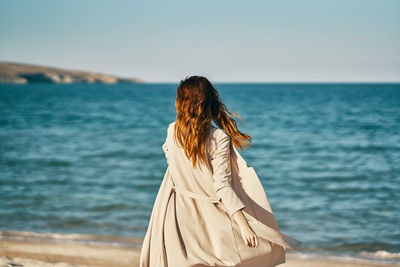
<point>27,73</point>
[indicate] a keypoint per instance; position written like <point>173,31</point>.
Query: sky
<point>226,41</point>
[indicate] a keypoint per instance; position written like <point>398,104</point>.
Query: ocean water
<point>87,159</point>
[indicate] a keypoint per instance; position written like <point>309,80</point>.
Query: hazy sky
<point>161,41</point>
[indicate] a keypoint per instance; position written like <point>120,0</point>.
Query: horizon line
<point>213,81</point>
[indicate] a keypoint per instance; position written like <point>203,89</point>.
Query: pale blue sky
<point>235,41</point>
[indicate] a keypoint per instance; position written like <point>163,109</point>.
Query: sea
<point>85,160</point>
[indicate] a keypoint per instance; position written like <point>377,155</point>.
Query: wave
<point>115,241</point>
<point>381,254</point>
<point>363,257</point>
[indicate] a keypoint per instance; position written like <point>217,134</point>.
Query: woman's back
<point>184,175</point>
<point>210,179</point>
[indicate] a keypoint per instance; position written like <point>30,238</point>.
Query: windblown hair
<point>197,104</point>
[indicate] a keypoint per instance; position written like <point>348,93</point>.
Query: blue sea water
<point>87,159</point>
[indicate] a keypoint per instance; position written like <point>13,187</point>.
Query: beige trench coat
<point>191,222</point>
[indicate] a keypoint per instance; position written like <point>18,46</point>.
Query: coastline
<point>43,250</point>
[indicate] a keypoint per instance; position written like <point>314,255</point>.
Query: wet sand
<point>65,254</point>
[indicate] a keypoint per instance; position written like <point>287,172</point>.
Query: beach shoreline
<point>44,250</point>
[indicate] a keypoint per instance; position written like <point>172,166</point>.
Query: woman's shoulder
<point>171,126</point>
<point>218,133</point>
<point>218,137</point>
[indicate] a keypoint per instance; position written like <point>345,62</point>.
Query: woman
<point>211,209</point>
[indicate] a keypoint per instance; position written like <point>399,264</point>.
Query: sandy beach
<point>63,254</point>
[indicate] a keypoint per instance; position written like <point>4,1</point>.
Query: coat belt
<point>191,194</point>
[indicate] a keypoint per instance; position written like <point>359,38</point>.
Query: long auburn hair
<point>197,104</point>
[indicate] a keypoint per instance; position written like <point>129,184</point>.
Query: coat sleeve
<point>221,164</point>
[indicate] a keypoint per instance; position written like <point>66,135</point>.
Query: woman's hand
<point>249,237</point>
